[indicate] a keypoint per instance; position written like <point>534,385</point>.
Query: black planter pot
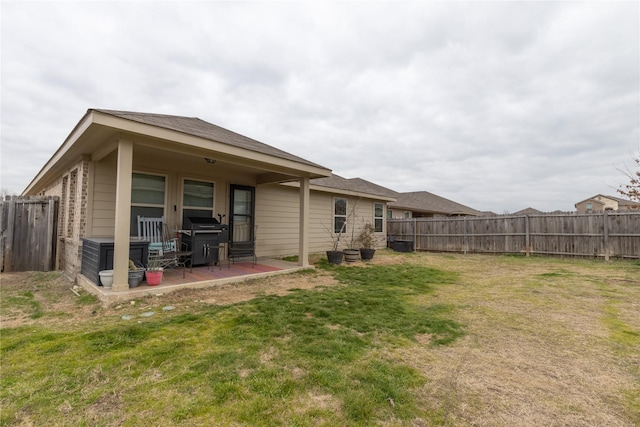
<point>335,257</point>
<point>367,254</point>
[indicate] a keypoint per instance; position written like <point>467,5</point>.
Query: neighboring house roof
<point>627,203</point>
<point>594,198</point>
<point>528,211</point>
<point>354,185</point>
<point>621,202</point>
<point>423,201</point>
<point>197,127</point>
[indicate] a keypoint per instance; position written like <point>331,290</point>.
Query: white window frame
<point>199,208</point>
<point>378,218</point>
<point>335,216</point>
<point>133,230</point>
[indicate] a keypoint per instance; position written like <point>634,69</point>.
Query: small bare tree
<point>631,190</point>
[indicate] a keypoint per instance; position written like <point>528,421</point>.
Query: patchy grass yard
<point>409,339</point>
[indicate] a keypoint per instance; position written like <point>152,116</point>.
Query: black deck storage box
<point>97,255</point>
<point>403,245</point>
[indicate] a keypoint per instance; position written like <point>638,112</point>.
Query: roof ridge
<point>142,113</point>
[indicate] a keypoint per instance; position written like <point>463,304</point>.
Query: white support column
<point>303,249</point>
<point>123,213</point>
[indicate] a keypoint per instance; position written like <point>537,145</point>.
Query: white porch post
<point>123,213</point>
<point>303,250</point>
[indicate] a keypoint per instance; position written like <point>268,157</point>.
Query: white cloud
<point>497,105</point>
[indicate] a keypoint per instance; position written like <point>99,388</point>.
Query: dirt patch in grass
<point>37,297</point>
<point>23,292</point>
<point>239,292</point>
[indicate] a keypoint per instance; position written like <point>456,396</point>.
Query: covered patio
<point>116,166</point>
<point>198,277</point>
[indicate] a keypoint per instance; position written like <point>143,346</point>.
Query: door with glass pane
<point>242,210</point>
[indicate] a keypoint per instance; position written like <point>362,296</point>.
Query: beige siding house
<point>278,235</point>
<point>600,203</point>
<point>116,165</point>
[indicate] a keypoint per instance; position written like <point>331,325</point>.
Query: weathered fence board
<point>608,234</point>
<point>28,233</point>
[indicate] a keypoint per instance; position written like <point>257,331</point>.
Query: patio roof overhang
<point>97,135</point>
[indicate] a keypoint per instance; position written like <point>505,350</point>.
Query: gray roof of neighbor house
<point>356,185</point>
<point>423,201</point>
<point>625,202</point>
<point>528,211</point>
<point>197,127</point>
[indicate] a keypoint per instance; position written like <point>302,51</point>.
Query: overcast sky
<point>496,105</point>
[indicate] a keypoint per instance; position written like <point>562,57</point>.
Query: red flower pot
<point>153,277</point>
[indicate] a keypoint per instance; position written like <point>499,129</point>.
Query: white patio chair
<point>164,250</point>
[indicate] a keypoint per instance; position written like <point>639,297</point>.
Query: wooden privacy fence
<point>28,233</point>
<point>607,234</point>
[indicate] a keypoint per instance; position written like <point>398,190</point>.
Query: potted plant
<point>136,273</point>
<point>154,271</point>
<point>334,256</point>
<point>367,242</point>
<point>351,253</point>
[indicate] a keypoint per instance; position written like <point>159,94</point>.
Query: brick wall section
<point>84,197</point>
<point>73,189</point>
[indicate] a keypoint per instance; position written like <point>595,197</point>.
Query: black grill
<point>204,237</point>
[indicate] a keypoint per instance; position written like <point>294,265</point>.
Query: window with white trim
<point>197,200</point>
<point>147,197</point>
<point>378,217</point>
<point>339,215</point>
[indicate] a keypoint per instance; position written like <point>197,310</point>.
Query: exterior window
<point>197,200</point>
<point>147,198</point>
<point>378,217</point>
<point>407,214</point>
<point>339,215</point>
<point>389,214</point>
<point>589,206</point>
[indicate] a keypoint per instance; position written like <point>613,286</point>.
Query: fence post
<point>464,233</point>
<point>49,262</point>
<point>605,233</point>
<point>527,238</point>
<point>11,222</point>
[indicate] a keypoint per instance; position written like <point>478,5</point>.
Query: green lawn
<point>311,357</point>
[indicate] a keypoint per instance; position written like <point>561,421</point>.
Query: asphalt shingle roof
<point>429,202</point>
<point>197,127</point>
<point>358,185</point>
